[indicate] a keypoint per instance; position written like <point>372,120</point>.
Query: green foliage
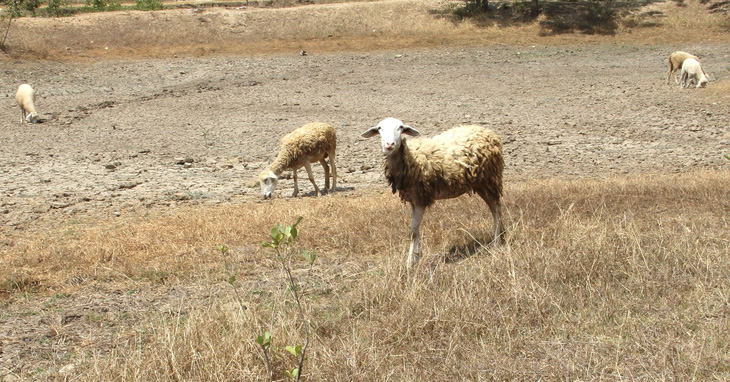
<point>103,5</point>
<point>264,340</point>
<point>471,8</point>
<point>309,257</point>
<point>148,5</point>
<point>589,17</point>
<point>223,249</point>
<point>54,7</point>
<point>31,5</point>
<point>281,241</point>
<point>294,350</point>
<point>282,236</point>
<point>294,374</point>
<point>727,156</point>
<point>11,9</point>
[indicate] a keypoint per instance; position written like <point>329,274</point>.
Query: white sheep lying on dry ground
<point>313,142</point>
<point>26,100</point>
<point>460,160</point>
<point>692,72</point>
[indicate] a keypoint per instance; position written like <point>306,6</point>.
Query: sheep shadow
<point>325,193</point>
<point>463,251</point>
<point>559,17</point>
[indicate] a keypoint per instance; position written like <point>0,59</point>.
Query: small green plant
<point>727,157</point>
<point>103,5</point>
<point>54,7</point>
<point>223,249</point>
<point>148,5</point>
<point>264,342</point>
<point>282,242</point>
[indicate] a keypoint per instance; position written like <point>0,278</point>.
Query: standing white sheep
<point>26,101</point>
<point>457,161</point>
<point>313,142</point>
<point>692,72</point>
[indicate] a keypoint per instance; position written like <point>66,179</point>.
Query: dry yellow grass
<point>602,279</point>
<point>359,26</point>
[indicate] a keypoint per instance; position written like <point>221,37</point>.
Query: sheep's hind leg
<point>311,178</point>
<point>414,251</point>
<point>334,171</point>
<point>496,209</point>
<point>326,174</point>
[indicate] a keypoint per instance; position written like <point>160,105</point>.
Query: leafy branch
<point>282,241</point>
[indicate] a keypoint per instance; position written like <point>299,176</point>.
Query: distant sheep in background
<point>313,142</point>
<point>676,59</point>
<point>457,161</point>
<point>26,101</point>
<point>692,72</point>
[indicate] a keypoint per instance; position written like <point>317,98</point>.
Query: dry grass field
<point>606,274</point>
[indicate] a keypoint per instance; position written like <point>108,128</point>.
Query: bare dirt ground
<point>127,136</point>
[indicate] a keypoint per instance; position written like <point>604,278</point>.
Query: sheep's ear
<point>407,130</point>
<point>255,183</point>
<point>370,132</point>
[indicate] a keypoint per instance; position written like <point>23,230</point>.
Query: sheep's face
<point>268,182</point>
<point>391,132</point>
<point>702,83</point>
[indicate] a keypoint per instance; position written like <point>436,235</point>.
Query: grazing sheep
<point>457,161</point>
<point>310,143</point>
<point>692,72</point>
<point>26,100</point>
<point>676,59</point>
<point>675,63</point>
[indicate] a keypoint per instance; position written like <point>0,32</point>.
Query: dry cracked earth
<point>129,136</point>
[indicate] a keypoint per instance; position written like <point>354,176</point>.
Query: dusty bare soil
<point>127,136</point>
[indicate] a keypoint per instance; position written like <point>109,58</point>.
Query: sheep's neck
<point>279,165</point>
<point>399,167</point>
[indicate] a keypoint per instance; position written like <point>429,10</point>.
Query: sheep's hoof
<point>412,261</point>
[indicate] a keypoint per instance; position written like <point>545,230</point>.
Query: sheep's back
<point>25,96</point>
<point>310,142</point>
<point>460,160</point>
<point>692,66</point>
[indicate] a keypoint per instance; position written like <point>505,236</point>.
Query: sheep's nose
<point>267,195</point>
<point>388,146</point>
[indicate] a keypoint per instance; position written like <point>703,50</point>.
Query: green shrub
<point>148,5</point>
<point>54,7</point>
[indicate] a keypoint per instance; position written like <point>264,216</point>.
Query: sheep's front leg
<point>22,115</point>
<point>326,174</point>
<point>311,178</point>
<point>414,251</point>
<point>296,185</point>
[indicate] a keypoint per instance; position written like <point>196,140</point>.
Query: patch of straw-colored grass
<point>623,278</point>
